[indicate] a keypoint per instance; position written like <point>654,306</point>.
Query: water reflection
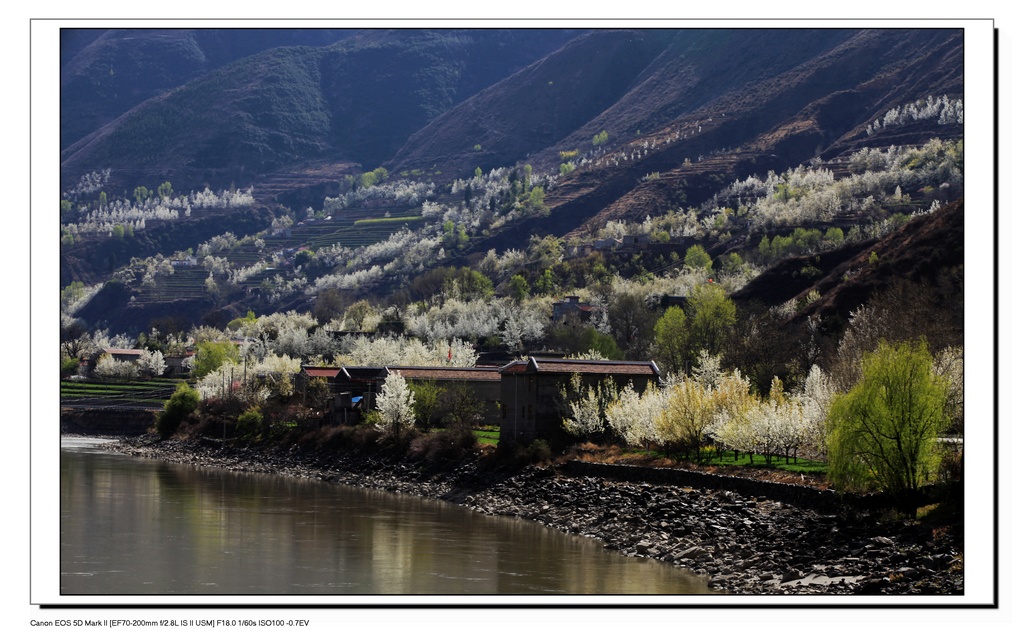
<point>131,526</point>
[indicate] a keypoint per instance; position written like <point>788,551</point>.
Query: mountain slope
<point>356,100</point>
<point>686,113</point>
<point>106,72</point>
<point>732,103</point>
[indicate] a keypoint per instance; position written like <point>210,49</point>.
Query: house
<point>353,389</point>
<point>571,308</point>
<point>176,364</point>
<point>631,242</point>
<point>119,354</point>
<point>531,390</point>
<point>523,397</point>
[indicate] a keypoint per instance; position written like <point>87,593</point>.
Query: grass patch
<point>795,465</point>
<point>383,221</point>
<point>744,460</point>
<point>487,436</point>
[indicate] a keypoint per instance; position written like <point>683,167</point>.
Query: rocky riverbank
<point>743,544</point>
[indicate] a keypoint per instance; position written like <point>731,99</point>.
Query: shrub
<point>182,403</point>
<point>538,451</point>
<point>68,366</point>
<point>443,447</point>
<point>249,421</point>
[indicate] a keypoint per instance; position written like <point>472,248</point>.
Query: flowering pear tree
<point>395,404</point>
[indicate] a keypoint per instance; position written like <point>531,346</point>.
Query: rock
<point>694,552</point>
<point>873,586</point>
<point>791,575</point>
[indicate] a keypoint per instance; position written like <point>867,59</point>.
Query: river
<point>132,526</point>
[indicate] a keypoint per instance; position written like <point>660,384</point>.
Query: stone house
<point>571,308</point>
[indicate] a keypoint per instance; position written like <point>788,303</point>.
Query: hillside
<point>569,134</point>
<point>356,100</point>
<point>106,72</point>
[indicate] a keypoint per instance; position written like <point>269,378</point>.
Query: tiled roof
<point>124,352</point>
<point>364,373</point>
<point>560,366</point>
<point>448,374</point>
<point>319,371</point>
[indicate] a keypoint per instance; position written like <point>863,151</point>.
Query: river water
<point>132,526</point>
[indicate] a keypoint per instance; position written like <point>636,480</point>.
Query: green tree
<point>241,322</point>
<point>671,339</point>
<point>545,283</point>
<point>164,190</point>
<point>604,344</point>
<point>697,258</point>
<point>632,324</point>
<point>546,250</point>
<point>459,407</point>
<point>375,177</point>
<point>141,194</point>
<point>882,433</point>
<point>690,409</point>
<point>182,403</point>
<point>731,263</point>
<point>303,257</point>
<point>356,314</point>
<point>469,284</point>
<point>330,304</point>
<point>210,355</point>
<point>535,202</point>
<point>834,237</point>
<point>518,288</point>
<point>713,314</point>
<point>426,397</point>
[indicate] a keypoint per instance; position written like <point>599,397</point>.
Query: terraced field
<point>347,231</point>
<point>360,228</point>
<point>185,283</point>
<point>134,394</point>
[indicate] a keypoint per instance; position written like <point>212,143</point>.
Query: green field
<point>487,436</point>
<point>103,393</point>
